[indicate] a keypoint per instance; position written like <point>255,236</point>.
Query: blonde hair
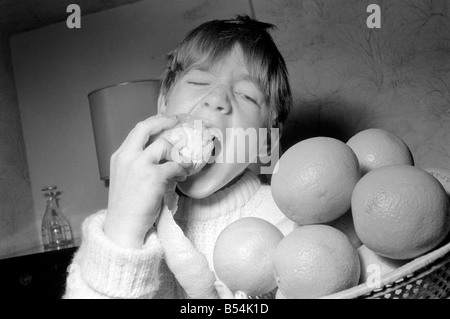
<point>210,42</point>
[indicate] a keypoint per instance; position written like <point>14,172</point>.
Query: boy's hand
<point>225,293</point>
<point>139,177</point>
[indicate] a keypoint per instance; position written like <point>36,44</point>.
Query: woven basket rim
<point>398,275</point>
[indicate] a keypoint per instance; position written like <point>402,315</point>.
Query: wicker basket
<point>425,277</point>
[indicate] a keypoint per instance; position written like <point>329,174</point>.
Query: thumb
<point>222,290</point>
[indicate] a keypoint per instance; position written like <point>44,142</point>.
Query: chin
<point>202,184</point>
<point>208,181</point>
<point>188,189</point>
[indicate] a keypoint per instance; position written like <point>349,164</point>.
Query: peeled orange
<point>400,211</point>
<point>243,255</point>
<point>313,261</point>
<point>314,180</point>
<point>193,141</point>
<point>377,147</point>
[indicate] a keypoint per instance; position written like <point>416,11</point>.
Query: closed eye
<point>198,83</point>
<point>248,98</point>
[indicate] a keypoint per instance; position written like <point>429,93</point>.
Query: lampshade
<point>115,110</point>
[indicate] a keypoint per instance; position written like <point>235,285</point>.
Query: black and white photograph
<point>224,149</point>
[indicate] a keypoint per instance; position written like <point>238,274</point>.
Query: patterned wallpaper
<point>347,77</point>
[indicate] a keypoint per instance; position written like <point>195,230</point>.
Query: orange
<point>442,175</point>
<point>279,295</point>
<point>313,181</point>
<point>374,267</point>
<point>400,211</point>
<point>313,261</point>
<point>243,255</point>
<point>345,225</point>
<point>377,147</point>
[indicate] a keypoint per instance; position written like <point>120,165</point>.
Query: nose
<point>218,99</point>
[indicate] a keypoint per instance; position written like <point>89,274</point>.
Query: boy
<point>228,74</point>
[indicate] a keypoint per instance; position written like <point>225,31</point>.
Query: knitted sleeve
<point>102,269</point>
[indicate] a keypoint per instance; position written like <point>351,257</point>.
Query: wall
<point>17,228</point>
<point>55,68</point>
<point>346,77</point>
<point>17,222</point>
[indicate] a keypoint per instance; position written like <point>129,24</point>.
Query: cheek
<point>242,145</point>
<point>173,105</point>
<point>256,122</point>
<point>255,116</point>
<point>182,101</point>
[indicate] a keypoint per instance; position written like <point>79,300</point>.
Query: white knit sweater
<point>102,269</point>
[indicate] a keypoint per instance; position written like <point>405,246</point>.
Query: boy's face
<point>224,97</point>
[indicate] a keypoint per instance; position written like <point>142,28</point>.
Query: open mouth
<point>213,151</point>
<point>217,148</point>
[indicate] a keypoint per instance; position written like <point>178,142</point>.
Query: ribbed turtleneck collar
<point>221,202</point>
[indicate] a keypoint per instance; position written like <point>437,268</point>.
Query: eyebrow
<point>199,67</point>
<point>246,77</point>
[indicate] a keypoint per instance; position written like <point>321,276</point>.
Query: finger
<point>133,134</point>
<point>179,179</point>
<point>158,150</point>
<point>173,171</point>
<point>163,150</point>
<point>139,135</point>
<point>222,290</point>
<point>240,295</point>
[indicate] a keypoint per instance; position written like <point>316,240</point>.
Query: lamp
<point>115,110</point>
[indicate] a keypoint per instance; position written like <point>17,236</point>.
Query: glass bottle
<point>56,231</point>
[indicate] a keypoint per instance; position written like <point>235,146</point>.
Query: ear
<point>161,104</point>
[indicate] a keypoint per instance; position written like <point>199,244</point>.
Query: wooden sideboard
<point>35,274</point>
